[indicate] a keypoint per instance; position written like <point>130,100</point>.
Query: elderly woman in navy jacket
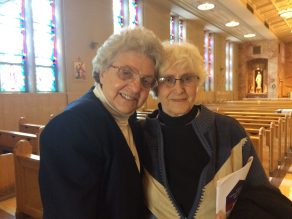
<point>89,165</point>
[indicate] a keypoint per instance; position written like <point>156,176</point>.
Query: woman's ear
<point>101,77</point>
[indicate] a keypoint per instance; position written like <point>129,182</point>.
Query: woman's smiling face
<point>127,95</point>
<point>180,98</point>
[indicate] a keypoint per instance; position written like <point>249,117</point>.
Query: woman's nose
<point>178,86</point>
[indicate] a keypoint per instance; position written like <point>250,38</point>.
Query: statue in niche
<point>258,81</point>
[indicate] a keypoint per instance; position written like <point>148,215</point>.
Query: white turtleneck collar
<point>122,121</point>
<point>119,116</point>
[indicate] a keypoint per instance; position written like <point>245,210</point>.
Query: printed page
<point>229,187</point>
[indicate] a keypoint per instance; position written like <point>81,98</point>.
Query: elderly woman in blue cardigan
<point>188,147</point>
<point>89,165</point>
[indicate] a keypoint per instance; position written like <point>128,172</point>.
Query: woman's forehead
<point>178,68</point>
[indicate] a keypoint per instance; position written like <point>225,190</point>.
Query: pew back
<point>8,139</point>
<point>24,126</point>
<point>28,200</point>
<point>7,177</point>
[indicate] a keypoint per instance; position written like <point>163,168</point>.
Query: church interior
<point>248,65</point>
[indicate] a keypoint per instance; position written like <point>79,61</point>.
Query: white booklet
<point>229,187</point>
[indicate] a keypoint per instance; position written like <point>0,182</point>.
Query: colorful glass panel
<point>180,30</point>
<point>172,29</point>
<point>134,13</point>
<point>12,78</point>
<point>118,11</point>
<point>45,79</point>
<point>12,50</point>
<point>209,60</point>
<point>44,44</point>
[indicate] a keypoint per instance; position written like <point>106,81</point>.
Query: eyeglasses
<point>186,80</point>
<point>126,73</point>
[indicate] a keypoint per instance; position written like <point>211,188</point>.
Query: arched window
<point>209,60</point>
<point>126,13</point>
<point>28,50</point>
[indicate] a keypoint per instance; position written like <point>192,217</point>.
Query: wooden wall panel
<point>36,108</point>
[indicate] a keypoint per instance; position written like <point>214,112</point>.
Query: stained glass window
<point>118,11</point>
<point>134,13</point>
<point>44,35</point>
<point>172,29</point>
<point>126,13</point>
<point>180,30</point>
<point>12,49</point>
<point>176,29</point>
<point>28,46</point>
<point>209,60</point>
<point>229,65</point>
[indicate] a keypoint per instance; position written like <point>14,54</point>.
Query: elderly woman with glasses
<point>89,165</point>
<point>188,147</point>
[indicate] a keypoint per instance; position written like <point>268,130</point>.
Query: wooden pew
<point>263,117</point>
<point>281,132</point>
<point>260,107</point>
<point>7,176</point>
<point>264,105</point>
<point>142,114</point>
<point>285,117</point>
<point>24,126</point>
<point>281,120</point>
<point>271,143</point>
<point>8,139</point>
<point>28,200</point>
<point>259,140</point>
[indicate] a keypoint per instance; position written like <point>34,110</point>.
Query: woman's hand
<point>220,215</point>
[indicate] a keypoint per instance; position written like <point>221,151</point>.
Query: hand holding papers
<point>229,187</point>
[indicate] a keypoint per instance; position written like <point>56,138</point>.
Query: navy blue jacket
<point>87,170</point>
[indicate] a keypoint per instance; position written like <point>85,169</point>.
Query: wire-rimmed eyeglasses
<point>126,73</point>
<point>188,79</point>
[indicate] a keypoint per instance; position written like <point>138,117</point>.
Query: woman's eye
<point>169,79</point>
<point>127,72</point>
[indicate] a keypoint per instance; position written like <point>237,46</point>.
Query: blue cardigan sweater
<point>87,170</point>
<point>228,148</point>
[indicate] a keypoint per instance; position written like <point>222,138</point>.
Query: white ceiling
<point>265,11</point>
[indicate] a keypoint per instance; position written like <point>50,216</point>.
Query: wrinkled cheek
<point>142,100</point>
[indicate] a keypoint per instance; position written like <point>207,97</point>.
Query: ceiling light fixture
<point>232,24</point>
<point>206,6</point>
<point>250,35</point>
<point>286,13</point>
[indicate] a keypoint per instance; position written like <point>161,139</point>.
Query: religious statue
<point>259,82</point>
